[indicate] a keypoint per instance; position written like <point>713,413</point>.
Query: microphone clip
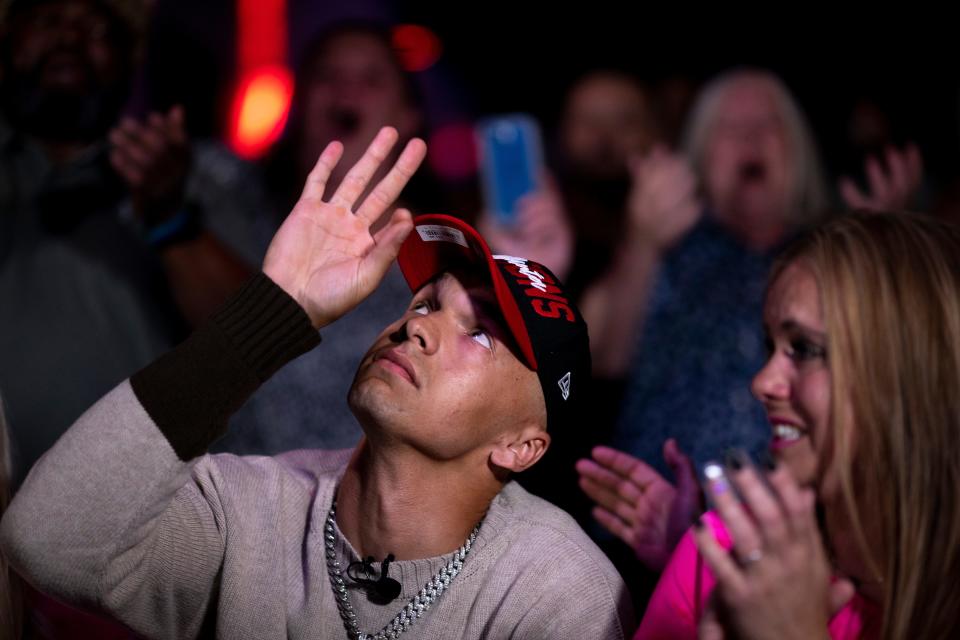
<point>380,589</point>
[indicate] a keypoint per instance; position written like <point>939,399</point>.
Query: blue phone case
<point>511,162</point>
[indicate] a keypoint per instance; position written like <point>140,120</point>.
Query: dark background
<point>509,56</point>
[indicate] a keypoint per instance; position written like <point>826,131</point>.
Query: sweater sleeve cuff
<point>191,391</point>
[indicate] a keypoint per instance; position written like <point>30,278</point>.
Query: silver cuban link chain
<point>412,610</point>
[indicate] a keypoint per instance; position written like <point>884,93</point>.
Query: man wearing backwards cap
<point>418,530</point>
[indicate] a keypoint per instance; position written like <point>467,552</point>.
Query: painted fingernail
<point>769,461</point>
<point>713,472</point>
<point>732,460</point>
<point>737,459</point>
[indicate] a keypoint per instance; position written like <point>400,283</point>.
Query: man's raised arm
<point>119,514</point>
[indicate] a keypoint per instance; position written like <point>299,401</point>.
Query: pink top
<point>674,609</point>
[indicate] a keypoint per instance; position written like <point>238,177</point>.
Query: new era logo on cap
<point>564,384</point>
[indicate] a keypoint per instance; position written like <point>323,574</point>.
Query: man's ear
<point>521,450</point>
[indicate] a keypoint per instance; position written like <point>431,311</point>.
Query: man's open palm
<point>326,254</point>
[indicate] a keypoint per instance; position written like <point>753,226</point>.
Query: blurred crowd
<point>663,207</point>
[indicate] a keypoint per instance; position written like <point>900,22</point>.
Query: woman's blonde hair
<point>890,293</point>
<point>809,198</point>
<point>10,600</point>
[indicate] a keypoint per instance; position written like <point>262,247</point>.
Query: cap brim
<point>438,243</point>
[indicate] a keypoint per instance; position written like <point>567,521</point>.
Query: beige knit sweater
<point>126,515</point>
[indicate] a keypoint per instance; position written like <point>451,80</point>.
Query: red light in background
<point>453,151</point>
<point>417,47</point>
<point>261,99</point>
<point>261,33</point>
<point>260,108</point>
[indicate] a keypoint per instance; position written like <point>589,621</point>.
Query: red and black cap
<point>542,318</point>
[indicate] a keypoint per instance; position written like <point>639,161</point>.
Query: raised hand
<point>326,254</point>
<point>663,203</point>
<point>636,504</point>
<point>892,183</point>
<point>776,581</point>
<point>153,158</point>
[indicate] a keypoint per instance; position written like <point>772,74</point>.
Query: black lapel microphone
<point>380,589</point>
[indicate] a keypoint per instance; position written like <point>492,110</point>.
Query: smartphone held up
<point>511,163</point>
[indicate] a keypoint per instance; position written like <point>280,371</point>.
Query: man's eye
<point>481,337</point>
<point>421,307</point>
